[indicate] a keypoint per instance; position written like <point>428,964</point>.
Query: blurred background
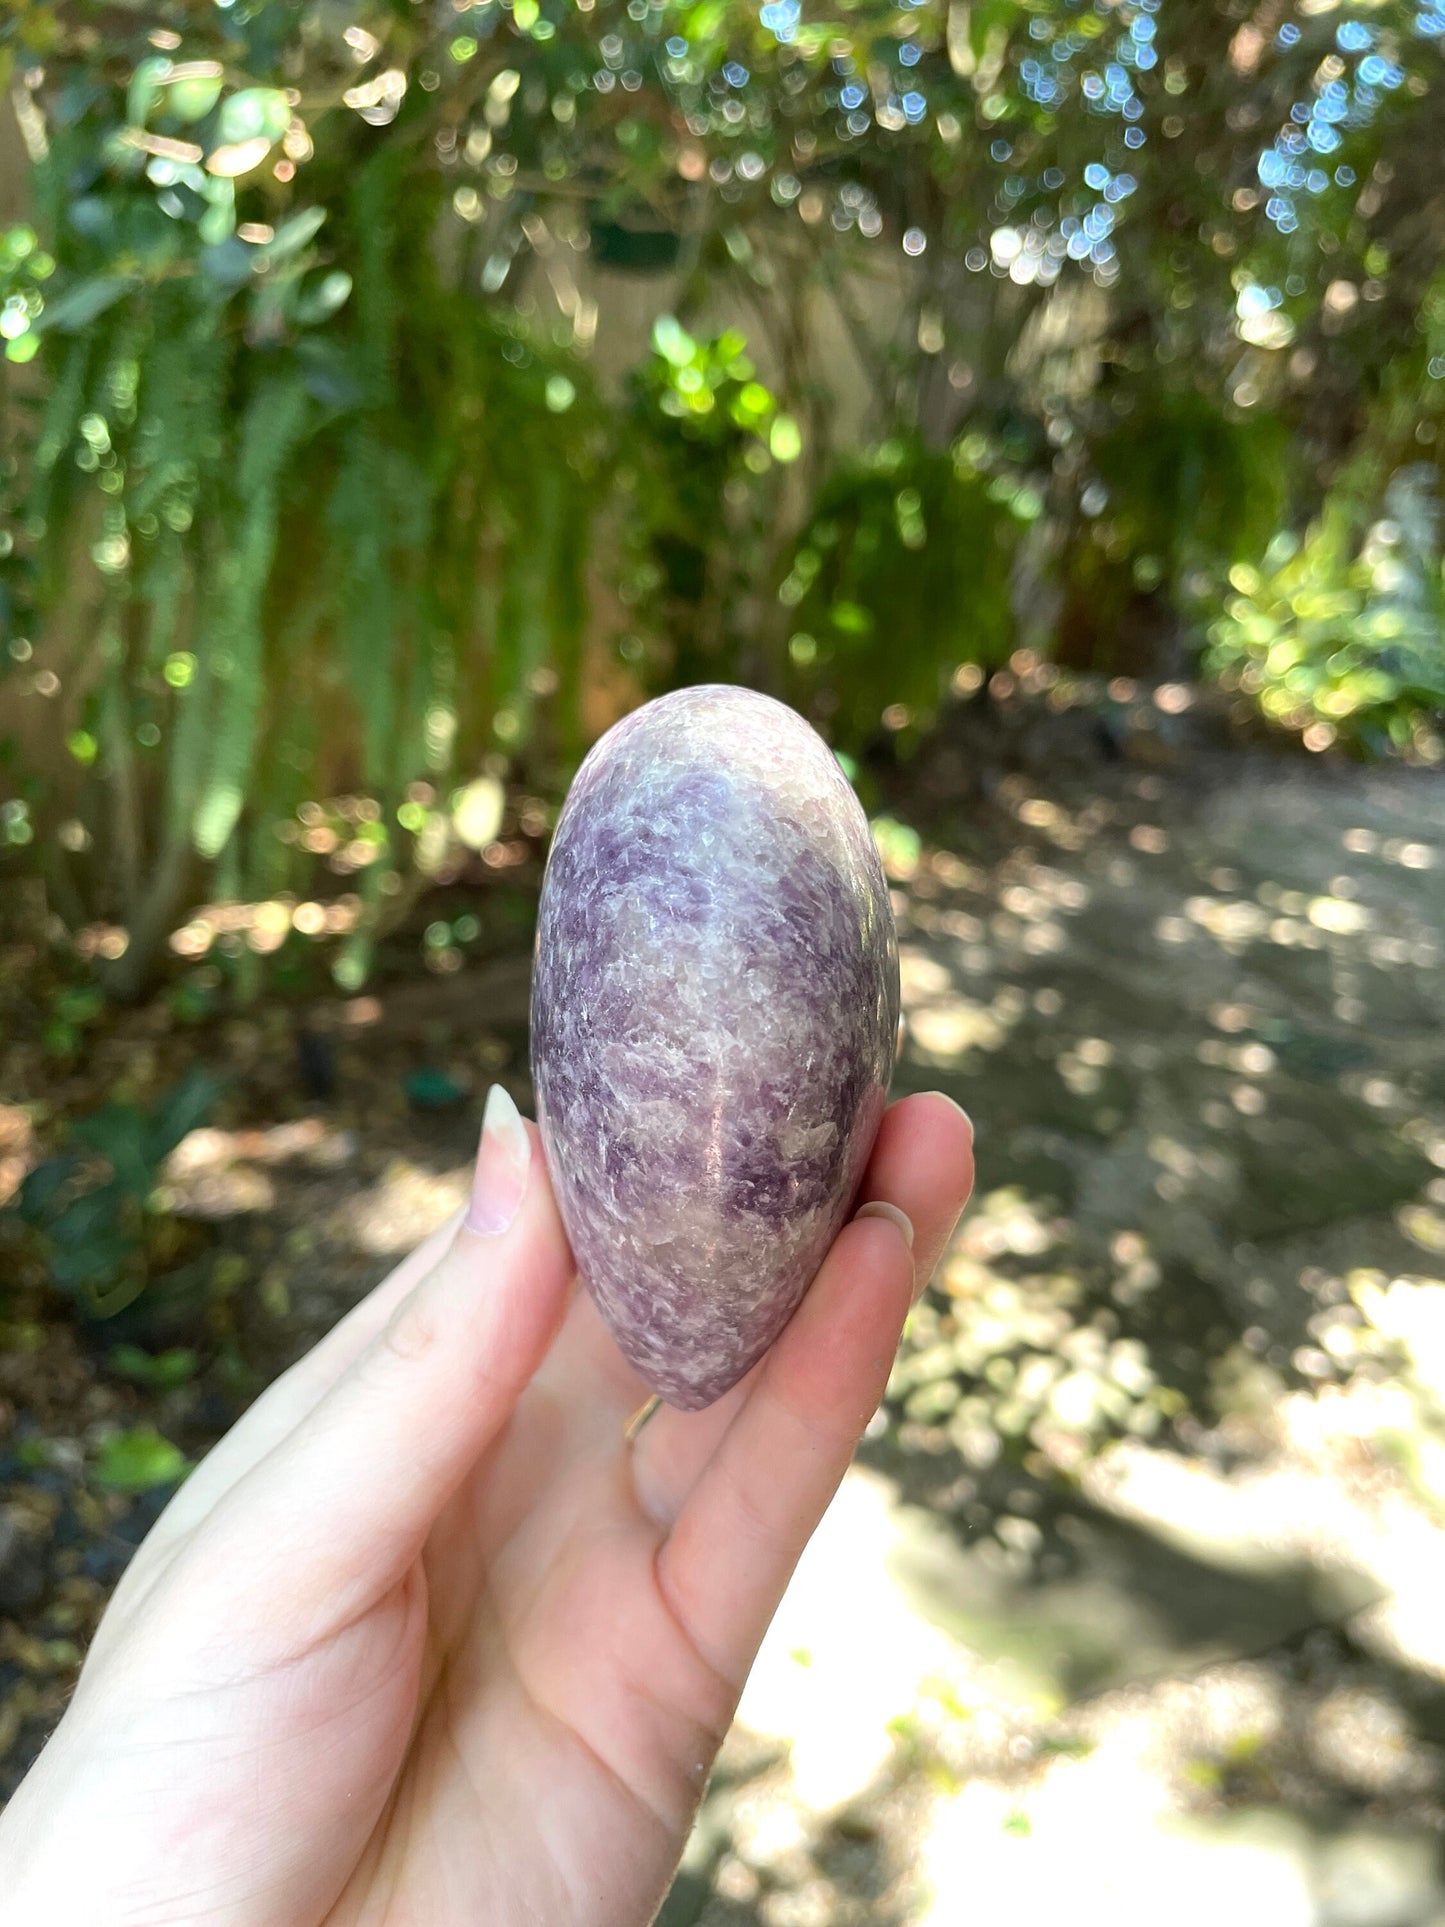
<point>1044,397</point>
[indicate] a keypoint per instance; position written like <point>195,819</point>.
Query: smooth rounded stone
<point>714,1015</point>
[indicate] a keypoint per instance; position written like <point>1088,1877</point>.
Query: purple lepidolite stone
<point>714,1012</point>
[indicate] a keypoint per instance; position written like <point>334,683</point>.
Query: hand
<point>425,1639</point>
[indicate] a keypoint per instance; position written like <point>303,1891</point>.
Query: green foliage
<point>902,574</point>
<point>93,1208</point>
<point>71,1011</point>
<point>314,489</point>
<point>1179,484</point>
<point>1338,641</point>
<point>714,383</point>
<point>706,460</point>
<point>139,1460</point>
<point>1186,483</point>
<point>296,502</point>
<point>162,1371</point>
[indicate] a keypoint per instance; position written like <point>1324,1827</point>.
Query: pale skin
<point>426,1641</point>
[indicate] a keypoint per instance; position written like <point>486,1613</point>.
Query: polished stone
<point>714,1013</point>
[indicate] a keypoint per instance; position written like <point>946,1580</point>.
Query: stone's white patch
<point>804,1140</point>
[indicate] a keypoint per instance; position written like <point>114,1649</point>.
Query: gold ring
<point>639,1418</point>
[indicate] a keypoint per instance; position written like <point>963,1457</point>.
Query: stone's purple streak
<point>714,1011</point>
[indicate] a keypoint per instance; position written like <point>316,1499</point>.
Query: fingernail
<point>504,1159</point>
<point>959,1108</point>
<point>878,1209</point>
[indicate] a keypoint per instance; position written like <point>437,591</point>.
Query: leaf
<point>92,1265</point>
<point>161,1370</point>
<point>962,56</point>
<point>272,427</point>
<point>227,263</point>
<point>84,303</point>
<point>44,1185</point>
<point>319,300</point>
<point>192,97</point>
<point>185,1109</point>
<point>362,529</point>
<point>432,1090</point>
<point>219,219</point>
<point>78,1004</point>
<point>94,217</point>
<point>256,113</point>
<point>145,89</point>
<point>119,1133</point>
<point>138,1460</point>
<point>293,235</point>
<point>785,440</point>
<point>672,341</point>
<point>328,373</point>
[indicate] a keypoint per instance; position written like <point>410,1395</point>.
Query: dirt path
<point>1137,1604</point>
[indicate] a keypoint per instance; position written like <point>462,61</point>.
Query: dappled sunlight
<point>1020,1355</point>
<point>218,1174</point>
<point>1197,1282</point>
<point>215,1174</point>
<point>391,1217</point>
<point>1096,1842</point>
<point>845,1656</point>
<point>898,1653</point>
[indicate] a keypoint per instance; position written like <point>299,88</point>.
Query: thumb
<point>341,1508</point>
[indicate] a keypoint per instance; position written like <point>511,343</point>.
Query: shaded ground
<point>1136,1594</point>
<point>1160,1495</point>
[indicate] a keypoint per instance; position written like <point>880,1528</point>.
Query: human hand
<point>426,1638</point>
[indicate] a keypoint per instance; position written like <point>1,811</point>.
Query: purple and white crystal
<point>714,1012</point>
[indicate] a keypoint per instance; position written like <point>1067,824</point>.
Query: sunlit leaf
<point>138,1460</point>
<point>255,113</point>
<point>785,439</point>
<point>192,98</point>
